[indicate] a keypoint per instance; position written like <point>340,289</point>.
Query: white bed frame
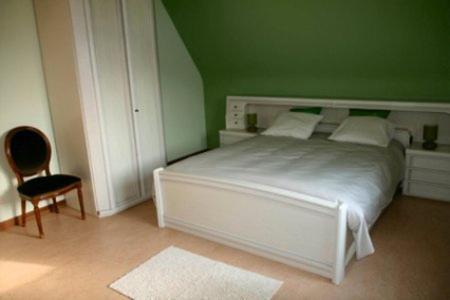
<point>303,231</point>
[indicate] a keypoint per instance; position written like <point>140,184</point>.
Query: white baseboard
<point>110,212</point>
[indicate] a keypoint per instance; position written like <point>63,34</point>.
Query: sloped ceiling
<point>317,37</point>
<point>382,49</point>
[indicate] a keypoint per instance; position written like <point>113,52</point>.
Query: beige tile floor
<point>78,259</point>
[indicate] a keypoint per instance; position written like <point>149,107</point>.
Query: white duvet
<point>364,177</point>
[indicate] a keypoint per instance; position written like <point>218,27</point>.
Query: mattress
<point>362,176</point>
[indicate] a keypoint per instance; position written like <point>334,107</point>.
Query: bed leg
<point>159,198</point>
<point>341,232</point>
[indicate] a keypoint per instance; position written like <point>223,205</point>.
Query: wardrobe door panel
<point>115,103</point>
<point>141,54</point>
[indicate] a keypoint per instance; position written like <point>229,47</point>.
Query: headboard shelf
<point>410,116</point>
<point>345,103</point>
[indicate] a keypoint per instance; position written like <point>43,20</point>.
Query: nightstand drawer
<point>236,107</point>
<point>427,162</point>
<point>235,123</point>
<point>438,177</point>
<point>428,191</point>
<point>236,114</point>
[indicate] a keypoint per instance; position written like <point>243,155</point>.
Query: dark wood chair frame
<point>43,168</point>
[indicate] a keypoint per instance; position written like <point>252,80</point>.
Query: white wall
<point>23,99</point>
<point>181,91</point>
<point>57,46</point>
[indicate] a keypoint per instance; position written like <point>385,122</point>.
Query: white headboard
<point>409,116</point>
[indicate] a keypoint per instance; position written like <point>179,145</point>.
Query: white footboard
<point>295,229</point>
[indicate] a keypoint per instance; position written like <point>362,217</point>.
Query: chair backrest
<point>28,151</point>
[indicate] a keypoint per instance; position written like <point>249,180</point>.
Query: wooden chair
<point>28,152</point>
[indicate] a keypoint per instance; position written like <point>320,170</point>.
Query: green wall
<point>372,49</point>
<point>181,91</point>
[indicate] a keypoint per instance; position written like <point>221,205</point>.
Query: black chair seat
<point>42,185</point>
<point>28,152</point>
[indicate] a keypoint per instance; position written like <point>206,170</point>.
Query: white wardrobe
<point>116,76</point>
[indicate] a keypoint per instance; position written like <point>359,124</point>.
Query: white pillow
<point>294,124</point>
<point>365,130</point>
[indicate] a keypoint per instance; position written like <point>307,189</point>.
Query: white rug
<point>178,274</point>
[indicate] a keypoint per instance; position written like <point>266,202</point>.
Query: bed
<point>306,203</point>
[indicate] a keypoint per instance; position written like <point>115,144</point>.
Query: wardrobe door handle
<point>136,110</point>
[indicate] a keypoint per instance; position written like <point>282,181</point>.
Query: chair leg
<point>37,214</point>
<point>80,199</point>
<point>24,212</point>
<point>55,206</point>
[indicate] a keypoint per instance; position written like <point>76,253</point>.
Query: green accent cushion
<point>369,112</point>
<point>308,110</point>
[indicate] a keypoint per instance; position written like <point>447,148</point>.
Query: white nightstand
<point>231,136</point>
<point>428,172</point>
